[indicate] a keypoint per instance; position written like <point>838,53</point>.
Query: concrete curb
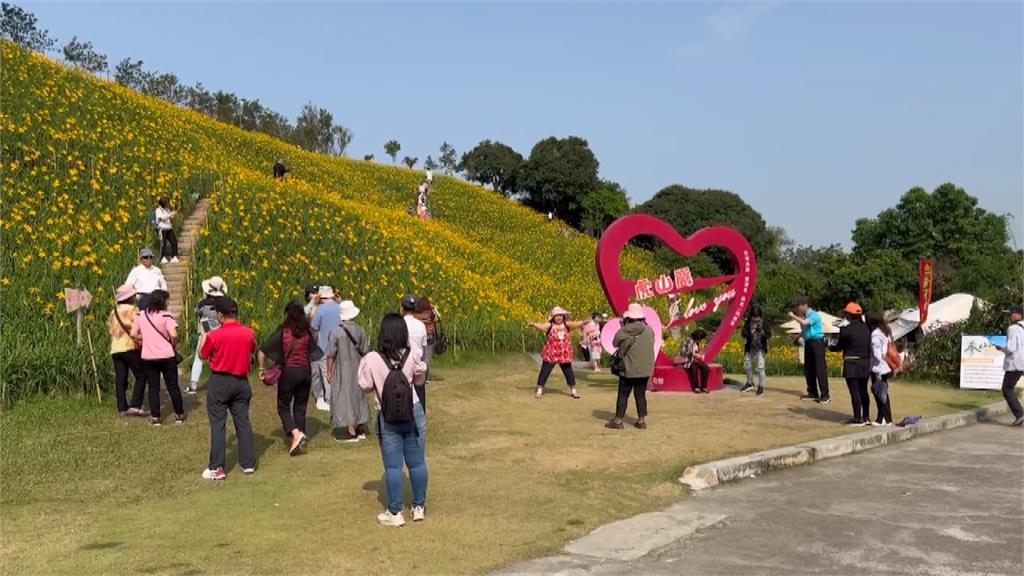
<point>702,476</point>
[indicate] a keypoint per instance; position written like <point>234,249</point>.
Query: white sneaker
<point>885,423</point>
<point>175,259</point>
<point>217,474</point>
<point>248,470</point>
<point>322,405</point>
<point>417,514</point>
<point>386,518</point>
<point>163,260</point>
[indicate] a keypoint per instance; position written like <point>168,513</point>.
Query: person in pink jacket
<point>402,443</point>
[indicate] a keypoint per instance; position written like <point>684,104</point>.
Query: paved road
<point>947,504</point>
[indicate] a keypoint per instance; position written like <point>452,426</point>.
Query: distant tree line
<point>314,128</point>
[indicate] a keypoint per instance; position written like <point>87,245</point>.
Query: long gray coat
<point>348,403</point>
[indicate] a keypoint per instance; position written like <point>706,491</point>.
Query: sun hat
<point>348,310</point>
<point>634,312</point>
<point>215,286</point>
<point>853,308</point>
<point>408,302</point>
<point>558,311</point>
<point>124,292</point>
<point>326,292</point>
<point>145,253</point>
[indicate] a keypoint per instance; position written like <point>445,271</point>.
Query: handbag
<point>618,366</point>
<point>440,340</point>
<point>177,355</point>
<point>273,374</point>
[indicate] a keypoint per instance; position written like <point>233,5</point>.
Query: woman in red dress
<point>557,349</point>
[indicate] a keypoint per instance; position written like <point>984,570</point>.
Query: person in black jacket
<point>855,344</point>
<point>755,347</point>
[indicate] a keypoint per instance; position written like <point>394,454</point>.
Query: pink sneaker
<point>217,474</point>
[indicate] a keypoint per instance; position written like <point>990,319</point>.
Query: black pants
<point>815,369</point>
<point>168,244</point>
<point>547,367</point>
<point>421,391</point>
<point>125,362</point>
<point>1010,380</point>
<point>699,373</point>
<point>880,388</point>
<point>859,398</point>
<point>224,393</point>
<point>293,396</point>
<point>168,368</point>
<point>638,386</point>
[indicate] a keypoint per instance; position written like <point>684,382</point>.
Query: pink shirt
<point>155,346</point>
<point>373,372</point>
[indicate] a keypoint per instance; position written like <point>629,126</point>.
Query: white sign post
<point>981,363</point>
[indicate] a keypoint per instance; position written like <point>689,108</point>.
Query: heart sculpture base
<point>673,379</point>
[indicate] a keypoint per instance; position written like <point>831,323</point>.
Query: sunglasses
<point>146,258</point>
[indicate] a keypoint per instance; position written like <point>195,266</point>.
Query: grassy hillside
<point>84,159</point>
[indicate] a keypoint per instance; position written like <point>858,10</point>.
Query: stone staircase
<point>179,275</point>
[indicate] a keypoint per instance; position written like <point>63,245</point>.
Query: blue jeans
<point>197,366</point>
<point>404,444</point>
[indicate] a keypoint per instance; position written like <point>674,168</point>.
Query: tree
<point>19,26</point>
<point>83,55</point>
<point>602,206</point>
<point>558,176</point>
<point>342,138</point>
<point>166,87</point>
<point>448,159</point>
<point>429,164</point>
<point>967,243</point>
<point>391,148</point>
<point>131,74</point>
<point>198,98</point>
<point>313,129</point>
<point>492,164</point>
<point>276,125</point>
<point>689,210</point>
<point>410,162</point>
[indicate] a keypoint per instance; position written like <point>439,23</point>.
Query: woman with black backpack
<point>389,374</point>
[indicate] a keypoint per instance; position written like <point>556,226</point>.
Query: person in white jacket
<point>880,370</point>
<point>1013,363</point>
<point>146,277</point>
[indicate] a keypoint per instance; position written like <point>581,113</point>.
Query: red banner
<point>924,287</point>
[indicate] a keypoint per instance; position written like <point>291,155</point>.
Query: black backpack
<point>396,398</point>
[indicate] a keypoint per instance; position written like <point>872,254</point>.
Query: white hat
<point>348,310</point>
<point>558,311</point>
<point>635,312</point>
<point>326,292</point>
<point>215,286</point>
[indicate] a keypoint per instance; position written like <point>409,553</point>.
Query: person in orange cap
<point>557,350</point>
<point>855,344</point>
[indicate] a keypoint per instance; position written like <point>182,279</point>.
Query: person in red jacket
<point>229,350</point>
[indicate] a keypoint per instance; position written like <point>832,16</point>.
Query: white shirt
<point>1014,351</point>
<point>879,346</point>
<point>417,333</point>
<point>163,218</point>
<point>145,280</point>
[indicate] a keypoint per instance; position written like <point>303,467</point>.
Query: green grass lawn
<point>84,492</point>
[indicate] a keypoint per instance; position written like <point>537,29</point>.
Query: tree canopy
<point>602,206</point>
<point>20,26</point>
<point>558,176</point>
<point>391,148</point>
<point>492,164</point>
<point>689,209</point>
<point>83,55</point>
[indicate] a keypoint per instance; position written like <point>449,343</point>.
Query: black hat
<point>312,288</point>
<point>408,302</point>
<point>226,306</point>
<point>1016,310</point>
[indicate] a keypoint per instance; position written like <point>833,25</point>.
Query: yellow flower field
<point>83,161</point>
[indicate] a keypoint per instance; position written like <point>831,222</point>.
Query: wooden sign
<point>76,299</point>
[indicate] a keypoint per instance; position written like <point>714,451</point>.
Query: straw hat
<point>215,286</point>
<point>348,310</point>
<point>124,292</point>
<point>558,311</point>
<point>326,292</point>
<point>635,312</point>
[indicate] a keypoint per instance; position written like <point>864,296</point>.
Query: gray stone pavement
<point>951,503</point>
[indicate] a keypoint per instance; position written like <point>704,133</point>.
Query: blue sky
<point>816,113</point>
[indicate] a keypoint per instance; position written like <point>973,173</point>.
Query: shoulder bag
<point>273,374</point>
